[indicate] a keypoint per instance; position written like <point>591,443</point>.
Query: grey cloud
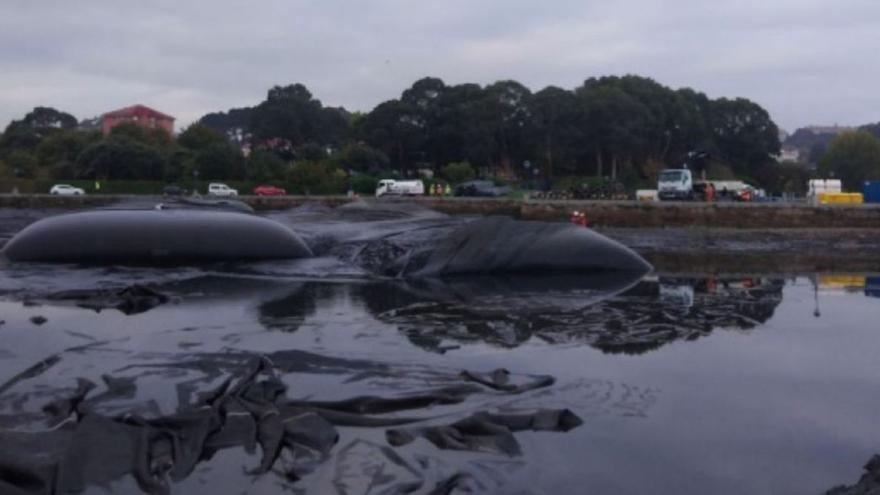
<point>807,61</point>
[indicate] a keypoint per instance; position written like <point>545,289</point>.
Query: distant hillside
<point>812,141</point>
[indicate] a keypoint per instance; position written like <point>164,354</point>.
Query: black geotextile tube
<point>494,245</point>
<point>164,236</point>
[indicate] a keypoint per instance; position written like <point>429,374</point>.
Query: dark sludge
<point>157,235</point>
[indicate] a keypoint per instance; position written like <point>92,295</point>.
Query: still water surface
<point>758,384</point>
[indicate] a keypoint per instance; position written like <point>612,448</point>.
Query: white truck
<point>400,187</point>
<point>675,183</point>
<point>679,184</point>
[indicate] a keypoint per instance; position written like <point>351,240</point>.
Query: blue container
<point>871,190</point>
<point>872,287</point>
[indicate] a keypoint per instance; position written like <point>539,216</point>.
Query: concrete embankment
<point>625,214</point>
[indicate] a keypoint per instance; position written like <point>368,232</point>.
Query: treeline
<point>853,157</point>
<point>849,154</point>
<point>625,128</point>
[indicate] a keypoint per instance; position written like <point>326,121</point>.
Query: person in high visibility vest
<point>448,190</point>
<point>579,218</point>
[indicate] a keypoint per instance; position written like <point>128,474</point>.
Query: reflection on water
<point>869,285</point>
<point>685,384</point>
<point>613,312</point>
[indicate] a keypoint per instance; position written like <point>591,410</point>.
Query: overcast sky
<point>806,61</point>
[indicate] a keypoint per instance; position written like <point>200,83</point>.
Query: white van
<point>400,187</point>
<point>222,190</point>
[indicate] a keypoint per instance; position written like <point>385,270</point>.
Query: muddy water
<point>723,384</point>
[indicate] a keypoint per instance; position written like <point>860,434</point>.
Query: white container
<point>647,195</point>
<point>816,186</point>
<point>819,186</point>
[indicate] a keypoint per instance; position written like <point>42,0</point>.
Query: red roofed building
<point>137,114</point>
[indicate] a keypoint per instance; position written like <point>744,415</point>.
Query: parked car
<point>750,193</point>
<point>219,189</point>
<point>66,190</point>
<point>485,188</point>
<point>268,190</point>
<point>173,190</point>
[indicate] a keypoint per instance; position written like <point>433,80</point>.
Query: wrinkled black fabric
<point>485,432</point>
<point>62,408</point>
<point>246,409</point>
<point>500,380</point>
<point>129,300</point>
<point>31,372</point>
<point>380,405</point>
<point>447,486</point>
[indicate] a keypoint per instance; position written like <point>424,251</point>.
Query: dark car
<point>173,190</point>
<point>485,188</point>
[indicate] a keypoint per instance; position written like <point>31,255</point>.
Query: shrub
<point>457,173</point>
<point>307,177</point>
<point>361,158</point>
<point>363,184</point>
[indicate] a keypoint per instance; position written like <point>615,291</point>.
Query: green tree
<point>220,161</point>
<point>64,146</point>
<point>744,135</point>
<point>265,166</point>
<point>312,152</point>
<point>119,157</point>
<point>156,138</point>
<point>557,130</point>
<point>22,163</point>
<point>26,134</point>
<point>852,157</point>
<point>199,136</point>
<point>234,124</point>
<point>872,128</point>
<point>457,173</point>
<point>45,118</point>
<point>291,114</point>
<point>178,167</point>
<point>315,178</point>
<point>393,129</point>
<point>361,158</point>
<point>785,178</point>
<point>615,126</point>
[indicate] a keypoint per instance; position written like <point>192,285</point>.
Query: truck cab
<point>676,183</point>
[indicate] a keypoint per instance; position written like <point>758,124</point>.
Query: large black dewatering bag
<point>503,245</point>
<point>154,235</point>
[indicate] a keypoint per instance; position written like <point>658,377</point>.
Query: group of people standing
<point>438,189</point>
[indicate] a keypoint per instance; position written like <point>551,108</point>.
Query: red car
<point>266,190</point>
